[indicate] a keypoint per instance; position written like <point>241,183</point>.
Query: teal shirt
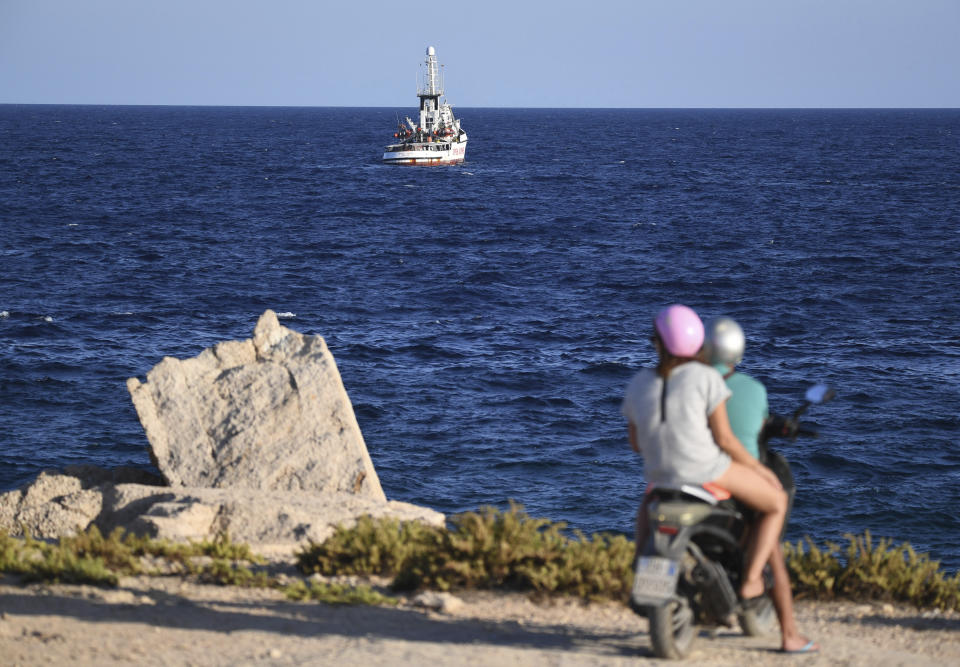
<point>747,408</point>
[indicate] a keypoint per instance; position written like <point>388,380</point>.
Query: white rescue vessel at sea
<point>437,138</point>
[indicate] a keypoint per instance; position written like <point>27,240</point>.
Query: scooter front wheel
<point>672,629</point>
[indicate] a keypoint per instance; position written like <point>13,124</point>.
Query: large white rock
<point>254,438</point>
<point>269,413</point>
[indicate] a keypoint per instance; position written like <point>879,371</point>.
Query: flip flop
<point>810,647</point>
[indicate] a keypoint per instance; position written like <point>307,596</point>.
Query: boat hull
<point>425,155</point>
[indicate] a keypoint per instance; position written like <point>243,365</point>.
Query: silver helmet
<point>724,342</point>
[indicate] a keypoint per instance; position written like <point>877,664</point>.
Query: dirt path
<point>168,621</point>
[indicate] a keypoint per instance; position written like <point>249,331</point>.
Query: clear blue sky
<point>604,53</point>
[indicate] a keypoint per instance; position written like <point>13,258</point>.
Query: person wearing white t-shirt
<point>677,420</point>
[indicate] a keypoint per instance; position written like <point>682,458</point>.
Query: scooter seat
<point>708,493</point>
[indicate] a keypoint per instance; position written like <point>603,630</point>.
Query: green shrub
<point>228,573</point>
<point>221,547</point>
<point>372,546</point>
<point>89,557</point>
<point>485,549</point>
<point>814,571</point>
<point>66,562</point>
<point>337,594</point>
<point>871,572</point>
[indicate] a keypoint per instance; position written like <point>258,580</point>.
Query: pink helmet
<point>680,330</point>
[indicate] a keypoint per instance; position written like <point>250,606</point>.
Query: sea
<point>486,318</point>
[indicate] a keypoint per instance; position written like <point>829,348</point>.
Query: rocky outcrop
<point>254,438</point>
<point>58,504</point>
<point>269,413</point>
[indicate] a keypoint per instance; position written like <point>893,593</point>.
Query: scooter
<point>688,571</point>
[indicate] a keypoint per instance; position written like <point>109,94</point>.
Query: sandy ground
<point>171,621</point>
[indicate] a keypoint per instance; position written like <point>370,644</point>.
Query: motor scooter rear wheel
<point>760,619</point>
<point>672,629</point>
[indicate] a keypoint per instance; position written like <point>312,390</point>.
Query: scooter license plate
<point>654,580</point>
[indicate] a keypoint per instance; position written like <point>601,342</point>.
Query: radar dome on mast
<point>431,51</point>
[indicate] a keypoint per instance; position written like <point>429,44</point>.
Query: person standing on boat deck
<point>677,420</point>
<point>747,410</point>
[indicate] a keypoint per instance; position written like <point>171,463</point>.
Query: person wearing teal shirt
<point>747,410</point>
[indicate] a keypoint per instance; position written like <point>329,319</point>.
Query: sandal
<point>809,647</point>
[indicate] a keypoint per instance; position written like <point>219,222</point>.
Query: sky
<point>496,53</point>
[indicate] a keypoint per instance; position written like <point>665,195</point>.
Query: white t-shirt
<point>677,445</point>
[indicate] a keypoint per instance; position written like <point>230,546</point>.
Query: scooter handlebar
<point>780,427</point>
<point>785,427</point>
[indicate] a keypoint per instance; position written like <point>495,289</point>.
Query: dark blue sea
<point>486,318</point>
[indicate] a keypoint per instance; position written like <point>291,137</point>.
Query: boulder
<point>53,504</point>
<point>57,504</point>
<point>270,414</point>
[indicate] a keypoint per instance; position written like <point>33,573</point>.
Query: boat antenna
<point>432,85</point>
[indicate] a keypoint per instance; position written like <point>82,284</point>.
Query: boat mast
<point>429,92</point>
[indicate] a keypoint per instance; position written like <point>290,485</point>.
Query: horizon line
<point>543,108</point>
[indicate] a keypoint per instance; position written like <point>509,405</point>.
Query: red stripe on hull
<point>421,163</point>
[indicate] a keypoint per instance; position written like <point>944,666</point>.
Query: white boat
<point>438,137</point>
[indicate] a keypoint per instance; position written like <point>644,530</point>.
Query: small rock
<point>276,653</point>
<point>451,604</point>
<point>115,597</point>
<point>428,600</point>
<point>888,609</point>
<point>443,602</point>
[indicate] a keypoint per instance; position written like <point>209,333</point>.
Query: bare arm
<point>632,432</point>
<point>723,435</point>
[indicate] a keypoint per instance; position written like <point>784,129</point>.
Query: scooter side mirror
<point>819,393</point>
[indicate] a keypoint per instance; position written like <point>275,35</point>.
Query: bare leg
<point>783,602</point>
<point>756,492</point>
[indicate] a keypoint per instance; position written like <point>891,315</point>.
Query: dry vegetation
<point>489,549</point>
